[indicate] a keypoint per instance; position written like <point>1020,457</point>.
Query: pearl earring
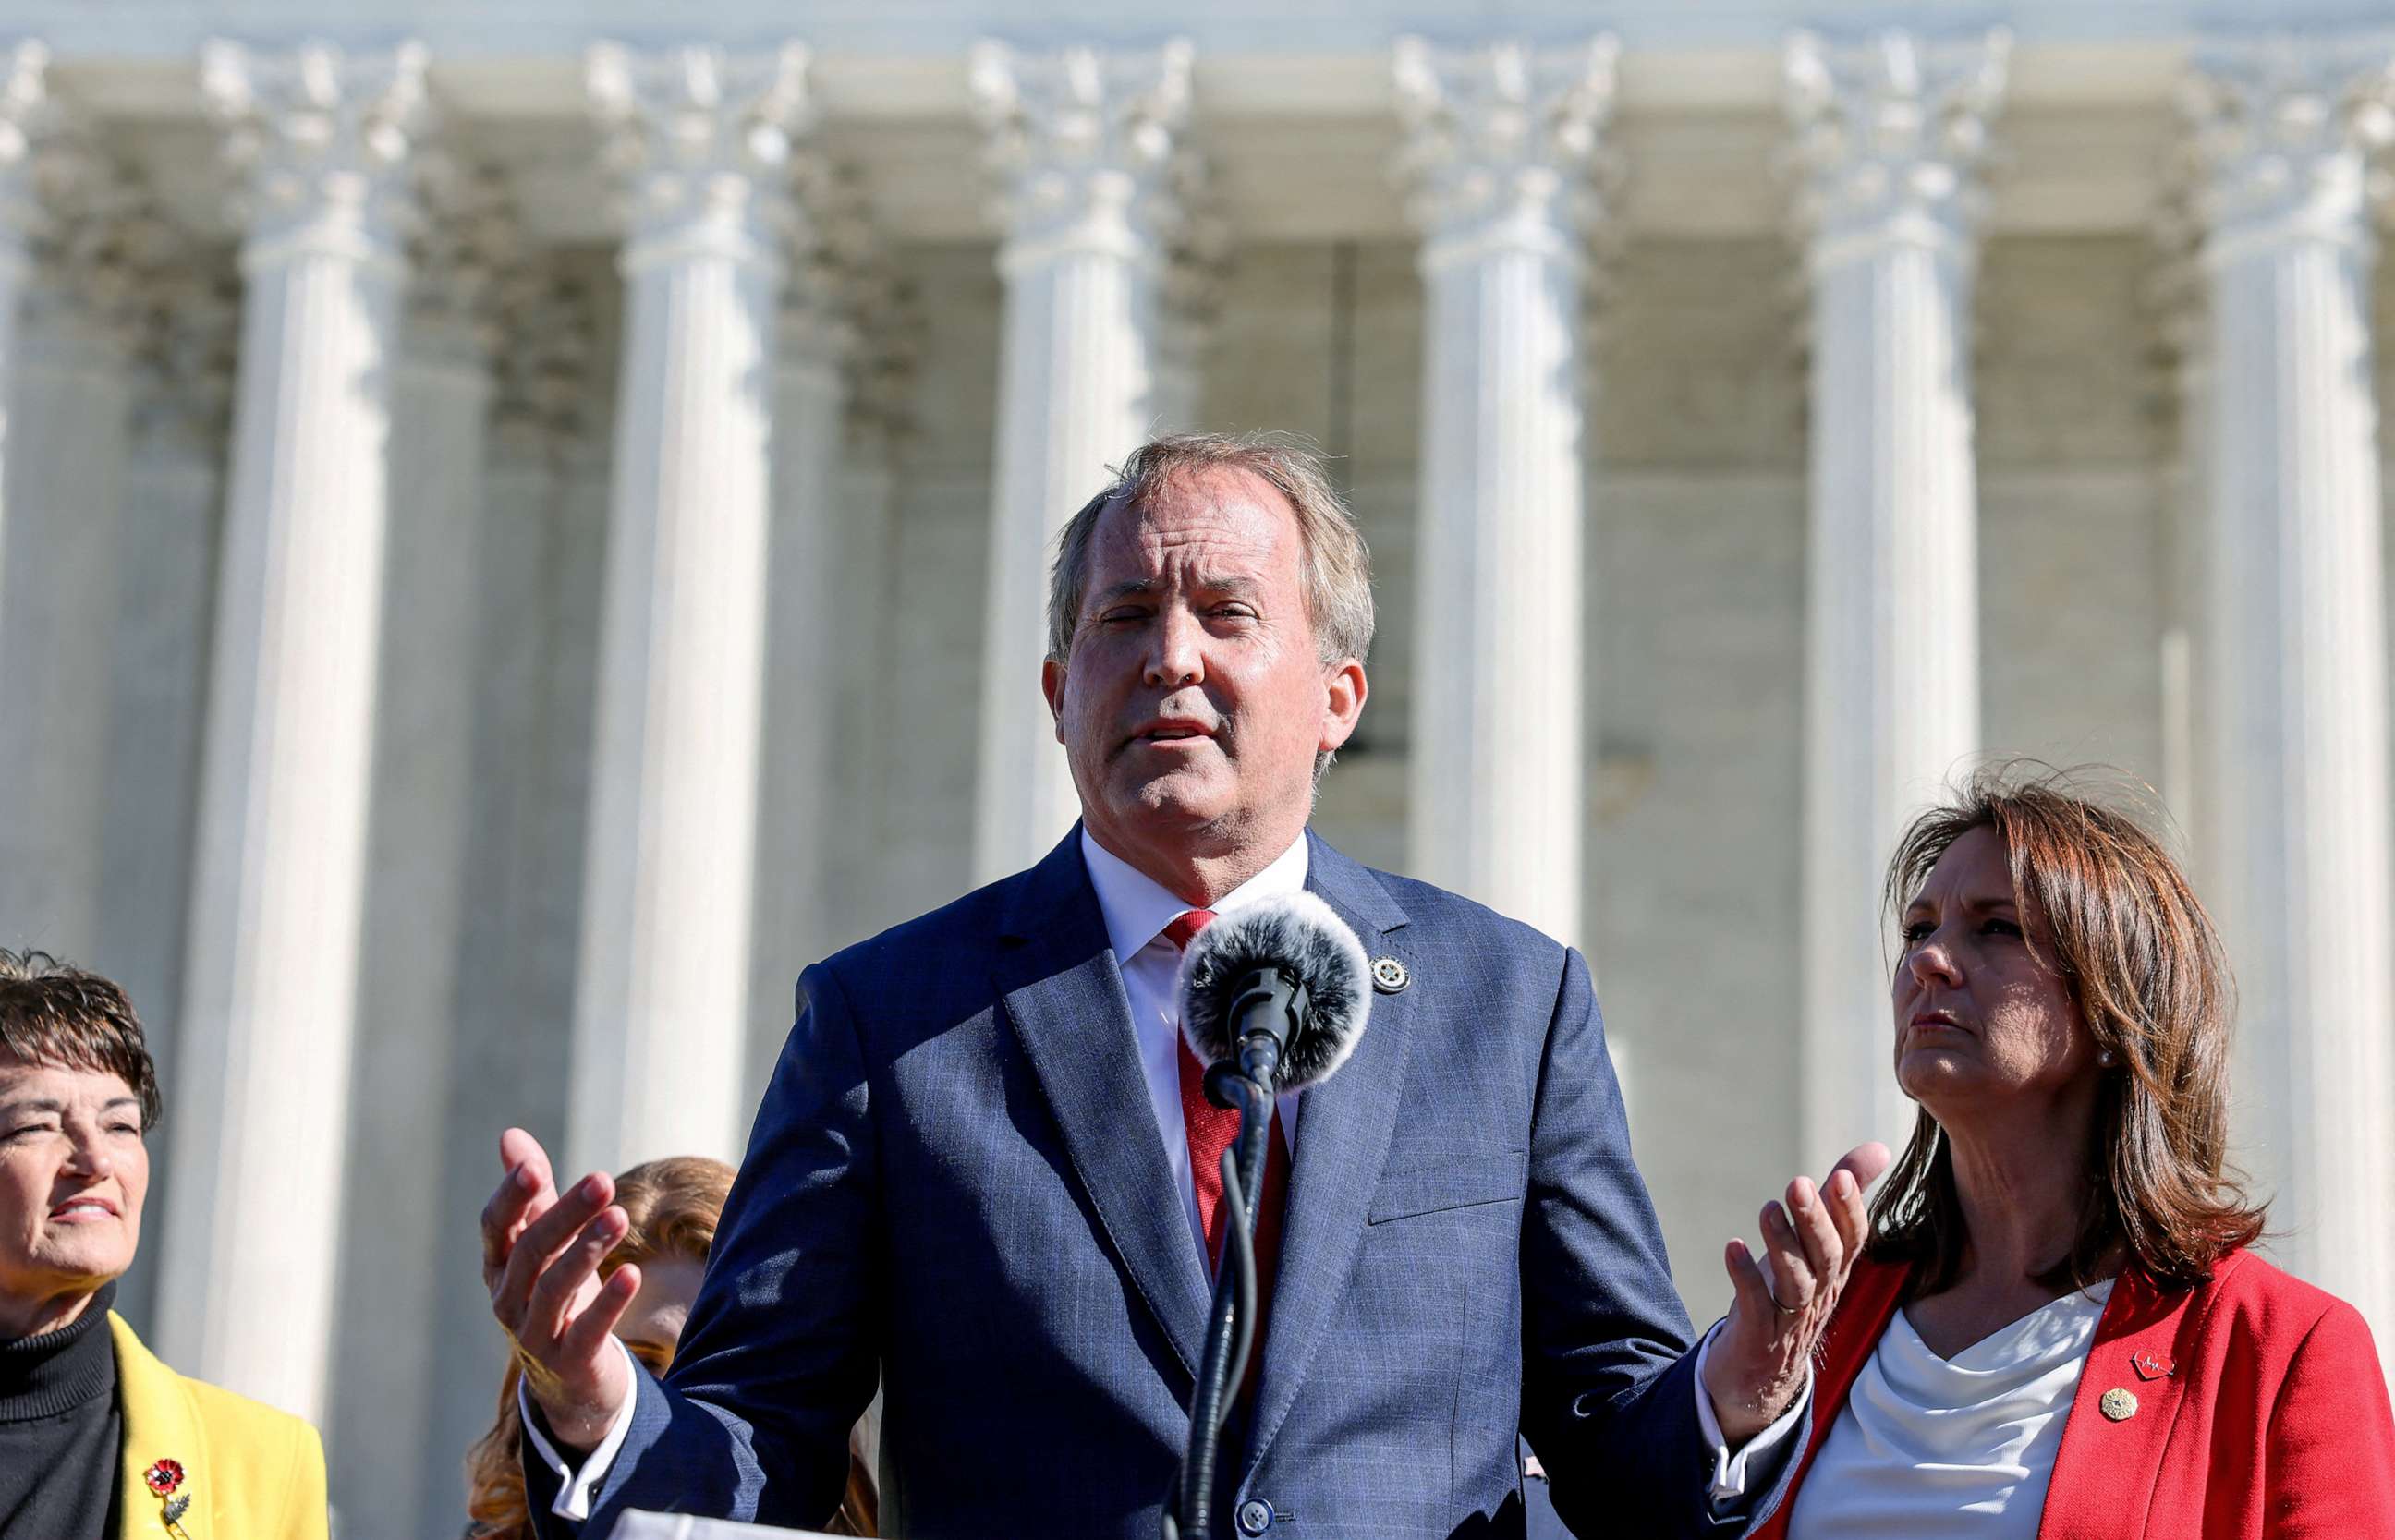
<point>2104,1056</point>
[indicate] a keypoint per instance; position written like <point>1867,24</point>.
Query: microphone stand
<point>1230,1332</point>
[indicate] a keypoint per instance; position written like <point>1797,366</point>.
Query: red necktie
<point>1213,1129</point>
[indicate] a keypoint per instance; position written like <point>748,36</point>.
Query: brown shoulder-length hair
<point>2144,968</point>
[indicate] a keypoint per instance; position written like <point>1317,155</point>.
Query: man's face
<point>1194,700</point>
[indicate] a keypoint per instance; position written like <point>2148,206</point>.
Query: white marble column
<point>1500,152</point>
<point>2178,295</point>
<point>1891,137</point>
<point>28,114</point>
<point>703,139</point>
<point>1197,263</point>
<point>1081,141</point>
<point>58,560</point>
<point>272,974</point>
<point>172,523</point>
<point>173,500</point>
<point>544,534</point>
<point>2298,698</point>
<point>544,545</point>
<point>419,906</point>
<point>798,795</point>
<point>882,376</point>
<point>544,529</point>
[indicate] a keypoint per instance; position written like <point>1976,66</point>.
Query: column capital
<point>833,245</point>
<point>1505,143</point>
<point>2173,296</point>
<point>320,137</point>
<point>1081,140</point>
<point>811,325</point>
<point>28,114</point>
<point>1197,263</point>
<point>1891,139</point>
<point>881,369</point>
<point>98,245</point>
<point>546,367</point>
<point>2283,127</point>
<point>464,241</point>
<point>702,140</point>
<point>189,352</point>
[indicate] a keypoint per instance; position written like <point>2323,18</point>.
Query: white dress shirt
<point>1136,909</point>
<point>1926,1447</point>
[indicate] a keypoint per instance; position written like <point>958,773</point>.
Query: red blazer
<point>2261,1412</point>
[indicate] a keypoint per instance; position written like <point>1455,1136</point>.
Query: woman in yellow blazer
<point>98,1441</point>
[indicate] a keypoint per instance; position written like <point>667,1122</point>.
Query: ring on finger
<point>1784,1309</point>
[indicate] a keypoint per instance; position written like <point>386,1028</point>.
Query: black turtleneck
<point>60,1431</point>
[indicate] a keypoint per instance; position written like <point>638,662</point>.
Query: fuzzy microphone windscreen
<point>1304,938</point>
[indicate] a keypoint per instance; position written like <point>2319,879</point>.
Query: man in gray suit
<point>981,1175</point>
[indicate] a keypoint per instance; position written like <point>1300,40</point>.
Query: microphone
<point>1279,988</point>
<point>1273,998</point>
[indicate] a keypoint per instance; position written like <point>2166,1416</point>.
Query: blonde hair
<point>674,1206</point>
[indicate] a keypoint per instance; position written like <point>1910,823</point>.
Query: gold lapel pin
<point>1389,975</point>
<point>2118,1404</point>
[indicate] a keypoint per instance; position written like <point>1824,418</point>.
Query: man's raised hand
<point>1756,1368</point>
<point>541,1253</point>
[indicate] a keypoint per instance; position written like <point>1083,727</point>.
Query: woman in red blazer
<point>2056,1330</point>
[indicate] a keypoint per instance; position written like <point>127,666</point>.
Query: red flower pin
<point>165,1476</point>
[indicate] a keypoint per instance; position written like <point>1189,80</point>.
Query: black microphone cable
<point>1274,996</point>
<point>1231,1334</point>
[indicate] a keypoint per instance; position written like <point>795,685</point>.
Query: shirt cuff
<point>1761,1454</point>
<point>575,1488</point>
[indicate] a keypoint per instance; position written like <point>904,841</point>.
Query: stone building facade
<point>521,527</point>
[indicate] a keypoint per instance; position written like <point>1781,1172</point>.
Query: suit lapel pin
<point>2150,1367</point>
<point>1389,975</point>
<point>2118,1404</point>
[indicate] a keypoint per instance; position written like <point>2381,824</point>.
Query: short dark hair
<point>57,1014</point>
<point>2147,971</point>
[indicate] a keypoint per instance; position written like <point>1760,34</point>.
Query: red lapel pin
<point>2150,1367</point>
<point>163,1478</point>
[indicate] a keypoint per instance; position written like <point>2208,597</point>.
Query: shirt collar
<point>1137,907</point>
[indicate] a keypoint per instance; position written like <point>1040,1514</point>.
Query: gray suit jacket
<point>955,1183</point>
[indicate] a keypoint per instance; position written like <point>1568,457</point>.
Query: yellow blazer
<point>251,1472</point>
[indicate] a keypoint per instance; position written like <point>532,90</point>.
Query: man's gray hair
<point>1338,569</point>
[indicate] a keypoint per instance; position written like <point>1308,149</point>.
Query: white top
<point>1136,908</point>
<point>1928,1448</point>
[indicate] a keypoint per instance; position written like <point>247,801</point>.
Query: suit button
<point>1256,1515</point>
